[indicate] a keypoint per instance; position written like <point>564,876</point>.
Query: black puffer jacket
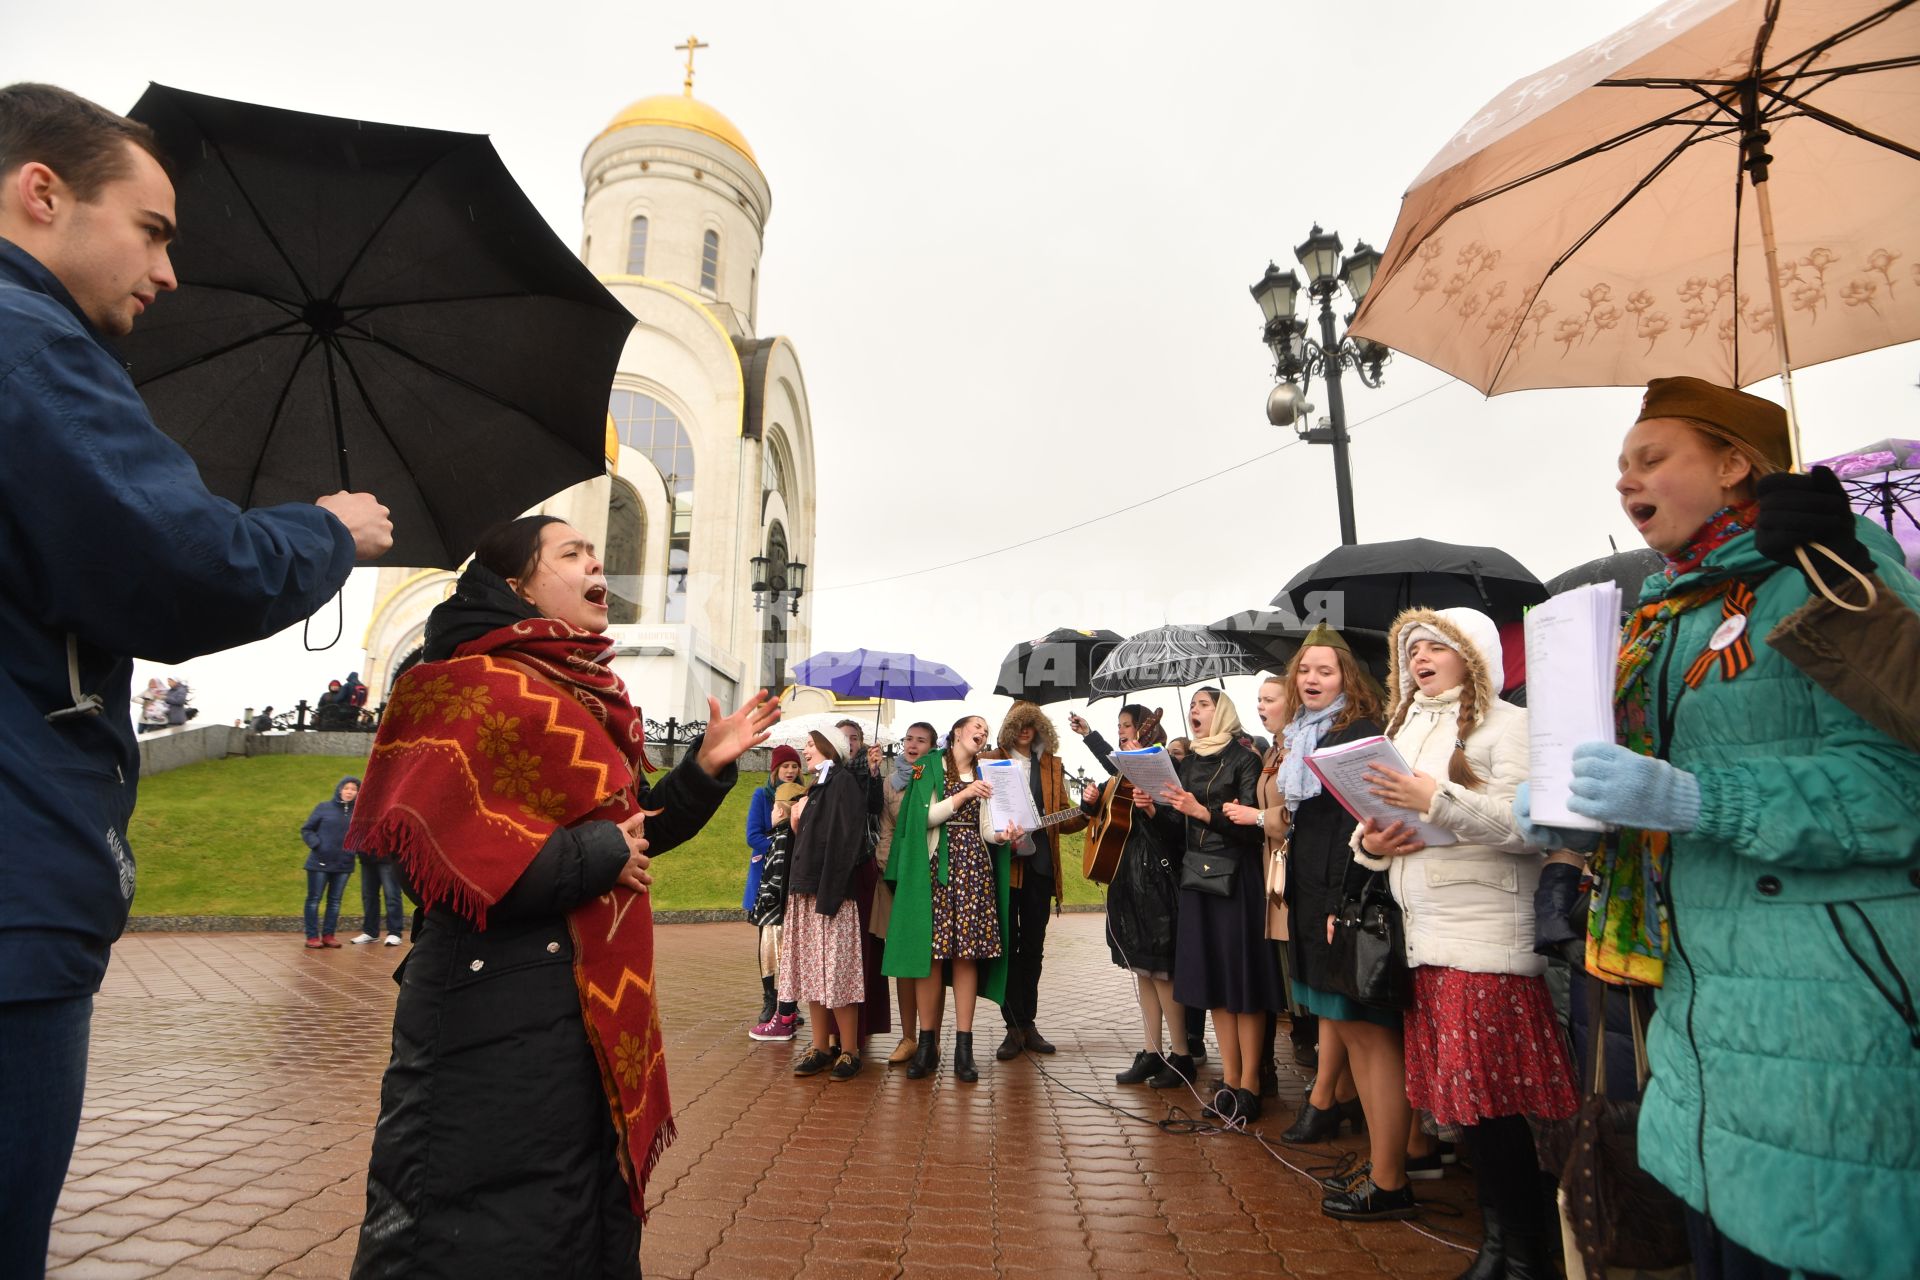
<point>1319,856</point>
<point>494,1154</point>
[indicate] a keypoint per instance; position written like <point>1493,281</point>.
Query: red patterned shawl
<point>478,761</point>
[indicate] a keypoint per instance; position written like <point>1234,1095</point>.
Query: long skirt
<point>1485,1045</point>
<point>820,959</point>
<point>966,910</point>
<point>1222,959</point>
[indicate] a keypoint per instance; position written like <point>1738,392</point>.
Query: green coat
<point>909,952</point>
<point>1785,1092</point>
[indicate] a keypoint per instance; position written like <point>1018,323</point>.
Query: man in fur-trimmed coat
<point>1027,736</point>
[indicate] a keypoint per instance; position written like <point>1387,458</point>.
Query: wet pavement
<point>235,1082</point>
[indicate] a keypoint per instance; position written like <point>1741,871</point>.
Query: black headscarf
<point>481,602</point>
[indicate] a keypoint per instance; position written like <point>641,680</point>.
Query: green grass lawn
<point>223,839</point>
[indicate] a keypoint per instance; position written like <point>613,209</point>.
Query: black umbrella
<point>1374,581</point>
<point>1273,636</point>
<point>1626,569</point>
<point>1055,667</point>
<point>368,306</point>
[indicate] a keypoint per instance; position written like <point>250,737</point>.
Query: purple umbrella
<point>1883,479</point>
<point>872,673</point>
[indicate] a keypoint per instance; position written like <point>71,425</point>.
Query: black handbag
<point>1368,963</point>
<point>1208,873</point>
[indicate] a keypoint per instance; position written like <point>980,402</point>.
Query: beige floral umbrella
<point>1656,203</point>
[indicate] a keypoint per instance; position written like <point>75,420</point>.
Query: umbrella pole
<point>1755,159</point>
<point>1779,317</point>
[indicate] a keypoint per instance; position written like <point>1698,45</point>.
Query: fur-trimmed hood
<point>1468,632</point>
<point>1024,715</point>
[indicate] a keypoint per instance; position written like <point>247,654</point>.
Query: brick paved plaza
<point>235,1083</point>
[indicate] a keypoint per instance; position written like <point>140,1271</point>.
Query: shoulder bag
<point>1368,963</point>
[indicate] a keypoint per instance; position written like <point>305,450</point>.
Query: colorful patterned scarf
<point>479,760</point>
<point>1627,925</point>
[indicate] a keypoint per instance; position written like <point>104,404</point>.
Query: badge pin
<point>1727,632</point>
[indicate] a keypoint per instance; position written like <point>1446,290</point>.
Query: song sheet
<point>1149,768</point>
<point>1343,769</point>
<point>1012,800</point>
<point>1573,650</point>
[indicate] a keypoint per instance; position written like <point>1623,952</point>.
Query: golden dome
<point>613,445</point>
<point>682,111</point>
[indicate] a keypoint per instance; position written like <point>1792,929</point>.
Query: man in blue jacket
<point>114,548</point>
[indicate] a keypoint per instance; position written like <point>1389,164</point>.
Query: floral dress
<point>966,914</point>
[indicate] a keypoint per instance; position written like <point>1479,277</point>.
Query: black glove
<point>1553,924</point>
<point>1797,510</point>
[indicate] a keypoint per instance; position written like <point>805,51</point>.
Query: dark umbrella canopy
<point>372,307</point>
<point>1272,636</point>
<point>1368,584</point>
<point>1056,666</point>
<point>1626,569</point>
<point>1167,657</point>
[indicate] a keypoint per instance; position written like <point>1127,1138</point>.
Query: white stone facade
<point>696,390</point>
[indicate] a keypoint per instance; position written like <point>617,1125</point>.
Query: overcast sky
<point>1012,245</point>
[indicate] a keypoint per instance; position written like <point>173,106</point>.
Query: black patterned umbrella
<point>1625,569</point>
<point>1170,657</point>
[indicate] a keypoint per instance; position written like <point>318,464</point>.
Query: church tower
<point>705,518</point>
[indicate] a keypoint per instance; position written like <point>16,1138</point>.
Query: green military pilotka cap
<point>1322,634</point>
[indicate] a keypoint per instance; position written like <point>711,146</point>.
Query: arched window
<point>625,558</point>
<point>645,424</point>
<point>774,469</point>
<point>637,248</point>
<point>710,262</point>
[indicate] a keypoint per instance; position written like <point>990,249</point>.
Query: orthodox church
<point>705,516</point>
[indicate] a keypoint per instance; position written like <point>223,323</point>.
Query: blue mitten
<point>1626,789</point>
<point>1544,837</point>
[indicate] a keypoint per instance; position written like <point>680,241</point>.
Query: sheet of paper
<point>1012,799</point>
<point>1344,771</point>
<point>1149,768</point>
<point>1573,647</point>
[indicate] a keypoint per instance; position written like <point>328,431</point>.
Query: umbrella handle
<point>1813,576</point>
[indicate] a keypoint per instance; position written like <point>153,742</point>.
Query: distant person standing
<point>379,876</point>
<point>329,864</point>
<point>178,695</point>
<point>114,546</point>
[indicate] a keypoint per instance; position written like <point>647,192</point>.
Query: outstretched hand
<point>730,737</point>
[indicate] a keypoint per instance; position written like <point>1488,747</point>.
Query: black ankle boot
<point>1491,1262</point>
<point>963,1068</point>
<point>767,1006</point>
<point>1313,1124</point>
<point>1351,1112</point>
<point>926,1054</point>
<point>1145,1065</point>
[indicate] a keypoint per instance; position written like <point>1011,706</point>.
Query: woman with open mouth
<point>526,1099</point>
<point>1222,960</point>
<point>1763,869</point>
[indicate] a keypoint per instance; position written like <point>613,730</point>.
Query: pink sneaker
<point>779,1027</point>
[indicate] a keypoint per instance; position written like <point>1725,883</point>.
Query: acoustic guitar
<point>1107,833</point>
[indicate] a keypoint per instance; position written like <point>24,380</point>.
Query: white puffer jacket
<point>1467,905</point>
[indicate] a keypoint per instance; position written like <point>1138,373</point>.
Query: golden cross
<point>693,44</point>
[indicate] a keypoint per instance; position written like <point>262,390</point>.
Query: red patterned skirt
<point>1483,1045</point>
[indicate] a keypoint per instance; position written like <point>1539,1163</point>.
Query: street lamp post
<point>1297,358</point>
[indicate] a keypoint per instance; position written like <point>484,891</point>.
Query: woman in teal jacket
<point>1766,872</point>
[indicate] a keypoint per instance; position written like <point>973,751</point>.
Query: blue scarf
<point>1302,736</point>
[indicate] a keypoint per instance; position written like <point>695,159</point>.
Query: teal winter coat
<point>1785,1093</point>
